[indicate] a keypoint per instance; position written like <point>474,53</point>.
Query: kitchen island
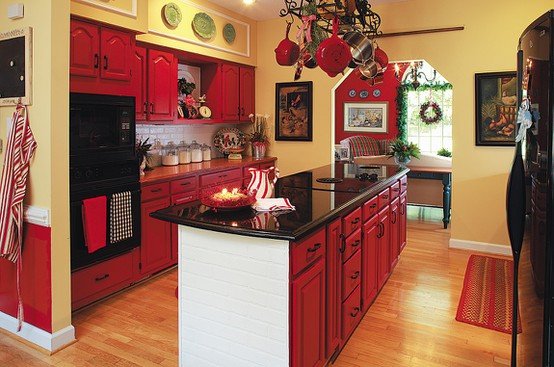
<point>287,289</point>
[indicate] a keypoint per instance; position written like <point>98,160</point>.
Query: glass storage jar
<point>185,155</point>
<point>154,156</point>
<point>196,152</point>
<point>206,152</point>
<point>170,155</point>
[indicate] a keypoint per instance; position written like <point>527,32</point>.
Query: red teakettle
<point>287,52</point>
<point>333,54</point>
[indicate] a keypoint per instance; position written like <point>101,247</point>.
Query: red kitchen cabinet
<point>246,93</point>
<point>162,85</point>
<point>383,245</point>
<point>403,206</point>
<point>308,317</point>
<point>230,92</point>
<point>334,266</point>
<point>155,248</point>
<point>370,255</point>
<point>116,48</point>
<point>394,249</point>
<point>139,69</point>
<point>84,55</point>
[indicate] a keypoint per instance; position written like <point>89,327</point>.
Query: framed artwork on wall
<point>293,111</point>
<point>495,109</point>
<point>367,117</point>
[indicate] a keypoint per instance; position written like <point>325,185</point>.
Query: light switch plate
<point>8,126</point>
<point>15,11</point>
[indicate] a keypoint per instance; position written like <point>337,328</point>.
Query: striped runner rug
<point>486,299</point>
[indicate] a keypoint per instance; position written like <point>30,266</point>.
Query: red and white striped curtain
<point>20,147</point>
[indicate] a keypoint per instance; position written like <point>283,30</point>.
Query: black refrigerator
<point>530,198</point>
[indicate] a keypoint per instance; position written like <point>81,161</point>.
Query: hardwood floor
<point>412,322</point>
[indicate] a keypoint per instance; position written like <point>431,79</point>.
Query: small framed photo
<point>344,153</point>
<point>495,109</point>
<point>366,117</point>
<point>293,111</point>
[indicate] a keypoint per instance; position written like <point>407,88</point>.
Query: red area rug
<point>486,298</point>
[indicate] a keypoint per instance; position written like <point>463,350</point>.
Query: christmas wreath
<point>433,117</point>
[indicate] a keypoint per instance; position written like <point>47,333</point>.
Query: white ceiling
<point>267,9</point>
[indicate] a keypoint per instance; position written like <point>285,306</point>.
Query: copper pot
<point>369,69</point>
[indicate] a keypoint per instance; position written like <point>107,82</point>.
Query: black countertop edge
<point>286,235</point>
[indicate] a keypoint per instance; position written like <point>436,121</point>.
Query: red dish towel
<point>94,223</point>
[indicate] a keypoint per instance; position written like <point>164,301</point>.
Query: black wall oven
<point>103,162</point>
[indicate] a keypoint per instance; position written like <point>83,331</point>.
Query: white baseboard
<point>490,248</point>
<point>36,215</point>
<point>44,339</point>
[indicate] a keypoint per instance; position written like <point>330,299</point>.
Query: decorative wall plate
<point>229,33</point>
<point>352,93</point>
<point>172,14</point>
<point>377,93</point>
<point>364,94</point>
<point>229,139</point>
<point>203,25</point>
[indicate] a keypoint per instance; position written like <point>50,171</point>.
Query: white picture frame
<point>367,117</point>
<point>12,44</point>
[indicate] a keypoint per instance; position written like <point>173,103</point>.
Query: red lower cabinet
<point>351,313</point>
<point>308,317</point>
<point>394,233</point>
<point>383,241</point>
<point>155,247</point>
<point>334,266</point>
<point>370,252</point>
<point>403,207</point>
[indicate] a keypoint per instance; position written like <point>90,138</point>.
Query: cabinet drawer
<point>352,244</point>
<point>183,198</point>
<point>384,198</point>
<point>370,208</point>
<point>307,251</point>
<point>351,274</point>
<point>351,313</point>
<point>395,190</point>
<point>220,177</point>
<point>184,184</point>
<point>102,278</point>
<point>352,221</point>
<point>403,183</point>
<point>155,191</point>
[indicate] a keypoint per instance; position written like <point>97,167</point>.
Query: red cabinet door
<point>138,70</point>
<point>155,246</point>
<point>246,93</point>
<point>403,222</point>
<point>369,262</point>
<point>179,199</point>
<point>308,317</point>
<point>230,92</point>
<point>162,85</point>
<point>116,55</point>
<point>383,236</point>
<point>394,250</point>
<point>334,266</point>
<point>84,54</point>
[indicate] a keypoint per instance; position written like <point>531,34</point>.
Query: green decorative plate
<point>203,25</point>
<point>229,33</point>
<point>172,14</point>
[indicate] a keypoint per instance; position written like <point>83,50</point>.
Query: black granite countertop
<point>316,203</point>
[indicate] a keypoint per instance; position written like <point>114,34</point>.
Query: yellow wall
<point>488,43</point>
<point>101,14</point>
<point>49,121</point>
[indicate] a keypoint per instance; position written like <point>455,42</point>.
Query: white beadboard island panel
<point>233,300</point>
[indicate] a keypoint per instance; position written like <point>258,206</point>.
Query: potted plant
<point>258,138</point>
<point>403,152</point>
<point>443,152</point>
<point>142,148</point>
<point>186,100</point>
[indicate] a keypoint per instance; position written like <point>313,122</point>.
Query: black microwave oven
<point>102,128</point>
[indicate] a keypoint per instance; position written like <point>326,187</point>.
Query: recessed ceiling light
<point>248,2</point>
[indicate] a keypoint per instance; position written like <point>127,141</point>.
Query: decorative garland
<point>402,104</point>
<point>435,117</point>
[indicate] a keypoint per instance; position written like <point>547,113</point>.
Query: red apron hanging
<point>20,148</point>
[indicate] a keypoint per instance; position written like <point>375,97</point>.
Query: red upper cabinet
<point>230,92</point>
<point>308,317</point>
<point>84,57</point>
<point>116,48</point>
<point>139,67</point>
<point>246,93</point>
<point>334,267</point>
<point>162,85</point>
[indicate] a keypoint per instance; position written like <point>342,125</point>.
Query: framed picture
<point>366,117</point>
<point>16,58</point>
<point>344,153</point>
<point>293,111</point>
<point>495,109</point>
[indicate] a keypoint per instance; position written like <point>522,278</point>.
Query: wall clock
<point>205,112</point>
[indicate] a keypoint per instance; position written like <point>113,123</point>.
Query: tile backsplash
<point>166,133</point>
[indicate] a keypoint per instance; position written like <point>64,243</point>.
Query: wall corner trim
<point>36,215</point>
<point>44,339</point>
<point>490,248</point>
